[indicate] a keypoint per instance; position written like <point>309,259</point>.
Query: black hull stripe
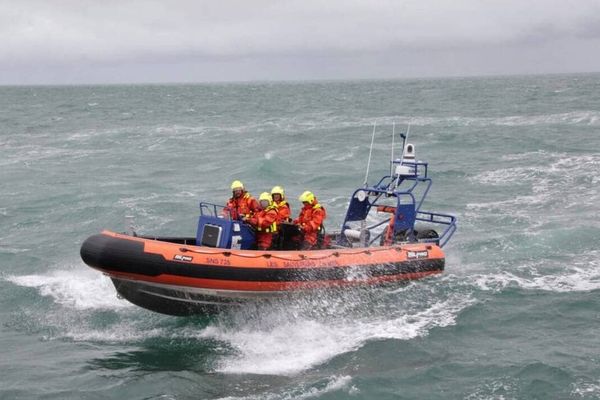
<point>127,256</point>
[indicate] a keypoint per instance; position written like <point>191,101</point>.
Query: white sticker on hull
<point>179,257</point>
<point>411,255</point>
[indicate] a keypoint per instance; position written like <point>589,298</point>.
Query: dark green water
<point>515,316</point>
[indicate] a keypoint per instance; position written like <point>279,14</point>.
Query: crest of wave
<point>583,274</point>
<point>306,390</point>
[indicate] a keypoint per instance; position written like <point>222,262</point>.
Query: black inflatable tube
<point>113,254</point>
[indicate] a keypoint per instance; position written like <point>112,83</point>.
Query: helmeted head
<point>237,187</point>
<point>277,193</point>
<point>307,197</point>
<point>264,199</point>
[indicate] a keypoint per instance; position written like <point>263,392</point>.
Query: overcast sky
<point>124,41</point>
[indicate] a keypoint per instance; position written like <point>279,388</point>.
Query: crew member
<point>241,204</point>
<point>310,220</point>
<point>265,221</point>
<point>283,207</point>
<point>387,239</point>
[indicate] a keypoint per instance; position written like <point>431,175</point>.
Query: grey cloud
<point>104,35</point>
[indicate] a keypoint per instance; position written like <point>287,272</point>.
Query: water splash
<point>306,390</point>
<point>287,338</point>
<point>74,288</point>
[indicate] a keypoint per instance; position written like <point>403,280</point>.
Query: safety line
<point>300,256</point>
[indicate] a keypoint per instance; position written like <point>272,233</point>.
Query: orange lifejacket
<point>283,211</point>
<point>243,206</point>
<point>265,222</point>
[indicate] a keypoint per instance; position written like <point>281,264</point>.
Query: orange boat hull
<point>182,279</point>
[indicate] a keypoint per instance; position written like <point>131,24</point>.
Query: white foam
<point>577,280</point>
<point>572,118</point>
<point>304,391</point>
<point>545,180</point>
<point>513,203</point>
<point>74,288</point>
<point>541,165</point>
<point>586,389</point>
<point>580,117</point>
<point>282,342</point>
<point>125,332</point>
<point>507,176</point>
<point>583,276</point>
<point>320,121</point>
<point>13,250</point>
<point>501,389</point>
<point>283,350</point>
<point>409,326</point>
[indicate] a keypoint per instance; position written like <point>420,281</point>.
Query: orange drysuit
<point>240,207</point>
<point>265,222</point>
<point>310,220</point>
<point>283,211</point>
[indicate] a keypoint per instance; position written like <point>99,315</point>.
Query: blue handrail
<point>389,186</point>
<point>210,209</point>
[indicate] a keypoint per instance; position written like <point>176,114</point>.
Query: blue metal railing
<point>211,209</point>
<point>389,186</point>
<point>439,219</point>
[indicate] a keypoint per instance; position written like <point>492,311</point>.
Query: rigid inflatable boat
<point>385,237</point>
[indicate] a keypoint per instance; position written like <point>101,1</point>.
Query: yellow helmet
<point>237,185</point>
<point>278,190</point>
<point>265,196</point>
<point>307,197</point>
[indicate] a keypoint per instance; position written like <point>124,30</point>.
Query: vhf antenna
<point>392,157</point>
<point>404,137</point>
<point>370,152</point>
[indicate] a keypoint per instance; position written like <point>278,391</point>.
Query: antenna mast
<point>370,152</point>
<point>404,137</point>
<point>392,157</point>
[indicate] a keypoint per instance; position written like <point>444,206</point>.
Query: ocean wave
<point>542,165</point>
<point>580,117</point>
<point>306,390</point>
<point>124,332</point>
<point>318,122</point>
<point>74,289</point>
<point>496,389</point>
<point>552,180</point>
<point>586,389</point>
<point>582,276</point>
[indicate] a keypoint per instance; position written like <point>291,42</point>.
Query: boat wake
<point>290,336</point>
<point>283,337</point>
<point>287,338</point>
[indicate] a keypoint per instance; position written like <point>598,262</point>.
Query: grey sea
<point>516,314</point>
